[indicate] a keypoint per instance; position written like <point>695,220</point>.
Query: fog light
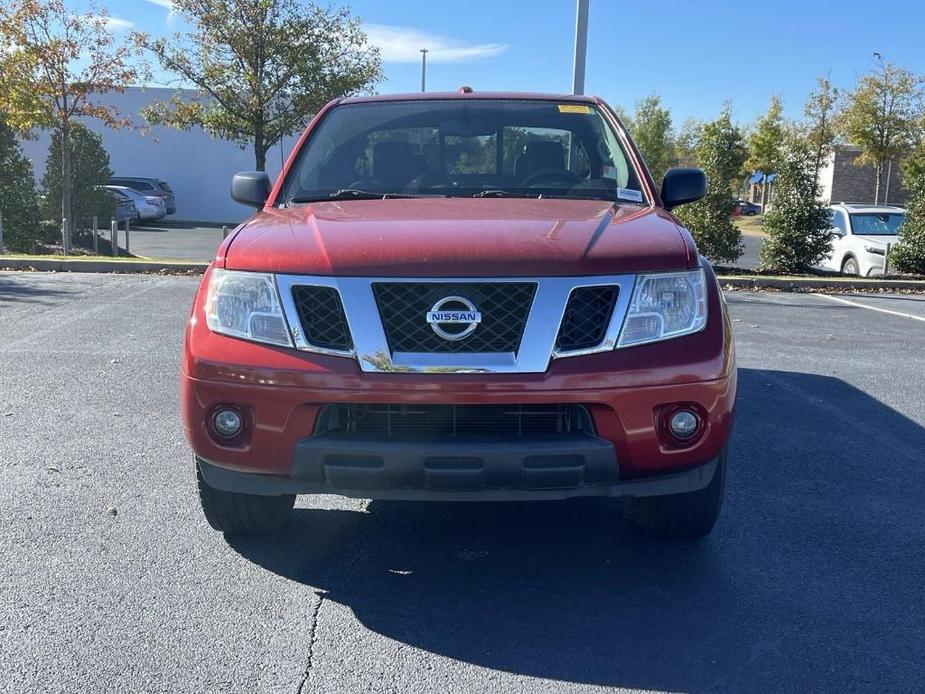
<point>227,423</point>
<point>683,424</point>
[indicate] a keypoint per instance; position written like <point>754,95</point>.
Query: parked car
<point>148,208</point>
<point>747,209</point>
<point>860,236</point>
<point>461,297</point>
<point>123,207</point>
<point>148,186</point>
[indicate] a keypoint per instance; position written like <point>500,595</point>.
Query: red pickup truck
<point>461,296</point>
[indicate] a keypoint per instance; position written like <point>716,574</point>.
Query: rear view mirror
<point>250,188</point>
<point>681,186</point>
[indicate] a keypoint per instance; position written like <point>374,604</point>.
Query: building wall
<point>198,167</point>
<point>851,183</point>
<point>826,176</point>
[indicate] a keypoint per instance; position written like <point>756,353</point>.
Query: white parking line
<point>871,308</point>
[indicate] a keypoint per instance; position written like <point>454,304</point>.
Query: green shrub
<point>89,172</point>
<point>18,201</point>
<point>720,153</point>
<point>798,224</point>
<point>909,254</point>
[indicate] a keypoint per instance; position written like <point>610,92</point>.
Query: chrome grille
<point>504,306</point>
<point>321,314</point>
<point>587,317</point>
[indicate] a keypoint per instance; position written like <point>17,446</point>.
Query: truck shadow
<point>812,580</point>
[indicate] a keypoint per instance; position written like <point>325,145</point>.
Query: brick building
<point>842,181</point>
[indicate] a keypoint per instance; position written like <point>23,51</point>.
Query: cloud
<point>167,5</point>
<point>403,45</point>
<point>117,23</point>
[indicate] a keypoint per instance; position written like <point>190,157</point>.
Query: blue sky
<point>696,55</point>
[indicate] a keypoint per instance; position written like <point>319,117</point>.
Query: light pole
<point>423,68</point>
<point>581,46</point>
<point>889,171</point>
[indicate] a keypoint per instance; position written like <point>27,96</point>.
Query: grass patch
<point>752,226</point>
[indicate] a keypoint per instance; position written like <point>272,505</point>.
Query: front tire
<point>850,267</point>
<point>687,516</point>
<point>233,513</point>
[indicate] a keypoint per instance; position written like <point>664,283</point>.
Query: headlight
<point>666,305</point>
<point>875,250</point>
<point>246,305</point>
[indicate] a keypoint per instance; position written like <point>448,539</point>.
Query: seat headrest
<point>395,163</point>
<point>539,155</point>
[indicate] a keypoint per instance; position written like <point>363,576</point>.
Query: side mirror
<point>250,188</point>
<point>681,186</point>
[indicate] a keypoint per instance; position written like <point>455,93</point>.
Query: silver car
<point>150,208</point>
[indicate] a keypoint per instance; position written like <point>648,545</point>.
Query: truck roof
<point>460,94</point>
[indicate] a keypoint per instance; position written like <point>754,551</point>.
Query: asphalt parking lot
<point>174,240</point>
<point>112,582</point>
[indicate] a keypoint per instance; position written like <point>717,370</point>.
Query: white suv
<point>862,233</point>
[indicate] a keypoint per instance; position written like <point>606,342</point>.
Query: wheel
<point>751,213</point>
<point>850,267</point>
<point>685,516</point>
<point>235,513</point>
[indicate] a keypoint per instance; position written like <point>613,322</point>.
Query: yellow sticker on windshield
<point>574,108</point>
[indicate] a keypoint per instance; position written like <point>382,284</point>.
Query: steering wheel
<point>564,176</point>
<point>365,183</point>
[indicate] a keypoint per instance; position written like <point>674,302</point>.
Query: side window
<point>838,222</point>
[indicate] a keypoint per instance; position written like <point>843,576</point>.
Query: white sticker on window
<point>629,194</point>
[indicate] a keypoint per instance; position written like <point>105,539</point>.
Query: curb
<point>800,283</point>
<point>101,266</point>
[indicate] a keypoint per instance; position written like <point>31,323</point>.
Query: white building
<point>198,167</point>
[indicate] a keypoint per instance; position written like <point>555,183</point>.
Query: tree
<point>624,117</point>
<point>653,135</point>
<point>765,141</point>
<point>798,225</point>
<point>909,254</point>
<point>18,201</point>
<point>720,152</point>
<point>262,67</point>
<point>818,130</point>
<point>55,65</point>
<point>89,173</point>
<point>882,116</point>
<point>686,141</point>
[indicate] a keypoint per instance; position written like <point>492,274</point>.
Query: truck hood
<point>459,237</point>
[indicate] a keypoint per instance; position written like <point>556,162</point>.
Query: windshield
<point>460,148</point>
<point>876,223</point>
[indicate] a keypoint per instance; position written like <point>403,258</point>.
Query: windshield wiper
<point>541,196</point>
<point>347,194</point>
<point>505,194</point>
